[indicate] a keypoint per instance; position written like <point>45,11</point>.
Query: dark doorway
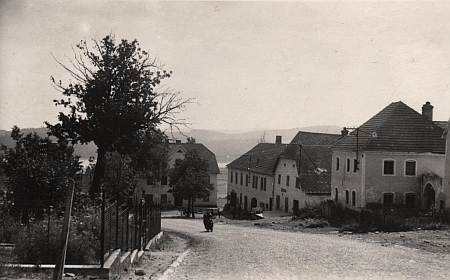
<point>254,203</point>
<point>270,204</point>
<point>430,196</point>
<point>286,204</point>
<point>277,203</point>
<point>245,203</point>
<point>295,205</point>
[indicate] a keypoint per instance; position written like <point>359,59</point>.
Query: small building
<point>267,176</point>
<point>158,191</point>
<point>396,157</point>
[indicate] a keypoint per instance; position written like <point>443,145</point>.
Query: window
<point>410,200</point>
<point>231,177</point>
<point>236,178</point>
<point>164,180</point>
<point>348,165</point>
<point>337,163</point>
<point>242,179</point>
<point>265,183</point>
<point>336,195</point>
<point>261,186</point>
<point>279,179</point>
<point>353,198</point>
<point>164,199</point>
<point>346,197</point>
<point>355,165</point>
<point>247,179</point>
<point>293,166</point>
<point>287,180</point>
<point>388,199</point>
<point>149,180</point>
<point>388,167</point>
<point>410,168</point>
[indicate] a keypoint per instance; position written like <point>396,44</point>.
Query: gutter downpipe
<point>363,181</point>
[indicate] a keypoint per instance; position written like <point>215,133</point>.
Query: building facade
<point>158,191</point>
<point>396,157</point>
<point>284,176</point>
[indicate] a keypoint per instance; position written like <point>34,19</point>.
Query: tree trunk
<point>99,171</point>
<point>189,206</point>
<point>193,215</point>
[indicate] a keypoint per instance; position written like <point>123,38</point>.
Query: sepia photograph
<point>164,140</point>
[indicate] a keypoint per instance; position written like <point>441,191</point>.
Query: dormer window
<point>180,151</point>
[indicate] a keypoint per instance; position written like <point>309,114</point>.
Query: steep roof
<point>315,154</point>
<point>396,128</point>
<point>204,152</point>
<point>441,124</point>
<point>262,158</point>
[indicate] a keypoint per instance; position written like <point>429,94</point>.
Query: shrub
<point>351,225</point>
<point>35,244</point>
<point>9,228</point>
<point>316,223</point>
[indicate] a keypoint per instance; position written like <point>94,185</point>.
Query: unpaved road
<point>233,252</point>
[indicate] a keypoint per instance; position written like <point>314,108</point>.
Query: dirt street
<point>234,252</point>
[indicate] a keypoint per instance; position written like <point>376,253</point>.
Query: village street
<point>233,252</point>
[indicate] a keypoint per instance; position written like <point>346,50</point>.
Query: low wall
<point>115,263</point>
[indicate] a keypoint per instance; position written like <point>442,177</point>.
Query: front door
<point>286,204</point>
<point>245,203</point>
<point>277,203</point>
<point>295,205</point>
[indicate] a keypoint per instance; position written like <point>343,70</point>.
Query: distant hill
<point>229,146</point>
<point>226,146</point>
<point>84,151</point>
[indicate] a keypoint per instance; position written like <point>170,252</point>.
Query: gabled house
<point>396,157</point>
<point>267,176</point>
<point>446,136</point>
<point>251,176</point>
<point>313,180</point>
<point>158,191</point>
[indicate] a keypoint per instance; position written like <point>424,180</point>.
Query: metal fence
<point>128,226</point>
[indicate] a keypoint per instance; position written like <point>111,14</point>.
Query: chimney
<point>278,140</point>
<point>344,132</point>
<point>178,141</point>
<point>427,111</point>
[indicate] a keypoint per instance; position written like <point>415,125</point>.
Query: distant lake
<point>223,164</point>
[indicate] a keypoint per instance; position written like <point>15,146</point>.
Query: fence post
<point>136,213</point>
<point>117,219</point>
<point>102,231</point>
<point>128,227</point>
<point>61,257</point>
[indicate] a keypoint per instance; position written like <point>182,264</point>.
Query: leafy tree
<point>113,97</point>
<point>148,152</point>
<point>189,178</point>
<point>120,178</point>
<point>37,172</point>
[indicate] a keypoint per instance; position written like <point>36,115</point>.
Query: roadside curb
<point>168,272</point>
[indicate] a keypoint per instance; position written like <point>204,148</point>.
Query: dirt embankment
<point>434,241</point>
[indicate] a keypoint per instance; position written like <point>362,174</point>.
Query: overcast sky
<point>249,65</point>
